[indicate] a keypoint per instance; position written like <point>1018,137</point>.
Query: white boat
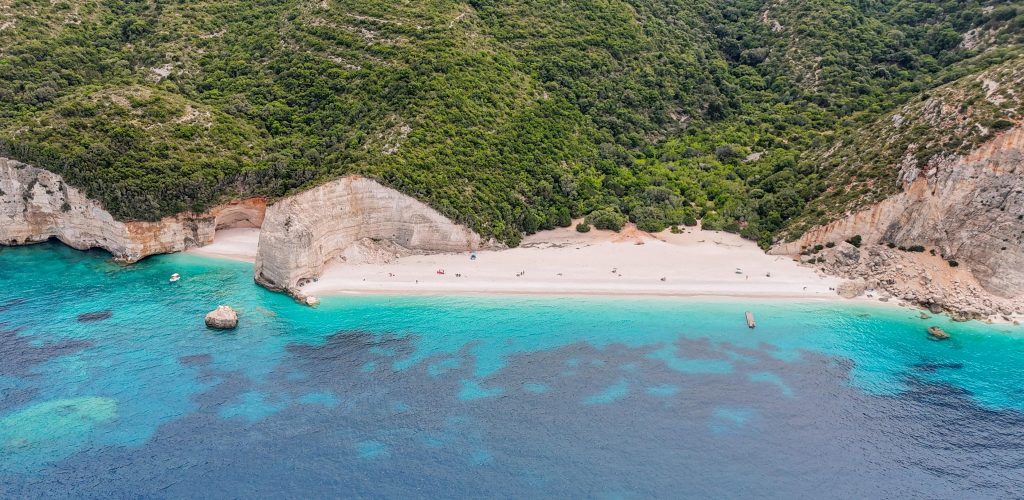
<point>175,277</point>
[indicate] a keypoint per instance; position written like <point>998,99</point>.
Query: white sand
<point>232,243</point>
<point>565,262</point>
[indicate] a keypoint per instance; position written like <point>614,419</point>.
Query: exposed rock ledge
<point>304,232</point>
<point>36,205</point>
<point>916,278</point>
<point>969,209</point>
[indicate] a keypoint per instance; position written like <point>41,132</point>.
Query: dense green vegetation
<point>511,116</point>
<point>914,137</point>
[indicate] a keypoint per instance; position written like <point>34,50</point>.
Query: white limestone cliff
<point>349,218</point>
<point>304,232</point>
<point>969,209</point>
<point>36,205</point>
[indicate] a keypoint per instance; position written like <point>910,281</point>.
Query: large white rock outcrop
<point>36,205</point>
<point>302,233</point>
<point>222,318</point>
<point>969,208</point>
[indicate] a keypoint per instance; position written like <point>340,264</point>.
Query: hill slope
<point>508,116</point>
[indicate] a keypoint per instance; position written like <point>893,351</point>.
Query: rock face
<point>851,289</point>
<point>302,233</point>
<point>918,278</point>
<point>222,318</point>
<point>36,205</point>
<point>352,218</point>
<point>968,208</point>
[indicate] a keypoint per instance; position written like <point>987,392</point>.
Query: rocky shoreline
<point>952,240</point>
<point>915,278</point>
<point>301,233</point>
<point>36,205</point>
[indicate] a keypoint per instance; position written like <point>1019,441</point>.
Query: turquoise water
<point>492,396</point>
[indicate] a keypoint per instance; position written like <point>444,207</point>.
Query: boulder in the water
<point>222,318</point>
<point>304,299</point>
<point>937,333</point>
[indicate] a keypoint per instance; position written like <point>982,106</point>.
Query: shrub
<point>650,219</point>
<point>855,241</point>
<point>953,263</point>
<point>726,153</point>
<point>606,218</point>
<point>562,217</point>
<point>915,248</point>
<point>676,230</point>
<point>830,244</point>
<point>1001,124</point>
<point>650,226</point>
<point>583,227</point>
<point>753,57</point>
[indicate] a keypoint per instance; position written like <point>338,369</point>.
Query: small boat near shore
<point>750,320</point>
<point>175,277</point>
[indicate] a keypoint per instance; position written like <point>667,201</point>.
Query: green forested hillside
<point>914,138</point>
<point>510,116</point>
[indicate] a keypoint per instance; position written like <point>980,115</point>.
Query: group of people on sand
<point>520,274</point>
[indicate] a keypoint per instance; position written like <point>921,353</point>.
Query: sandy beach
<point>232,243</point>
<point>566,262</point>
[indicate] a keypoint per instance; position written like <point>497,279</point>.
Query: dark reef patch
<point>930,367</point>
<point>7,304</point>
<point>18,356</point>
<point>717,433</point>
<point>91,317</point>
<point>196,359</point>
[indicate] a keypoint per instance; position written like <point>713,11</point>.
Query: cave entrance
<point>237,229</point>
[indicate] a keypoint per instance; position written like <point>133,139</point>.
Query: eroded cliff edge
<point>304,232</point>
<point>299,235</point>
<point>967,209</point>
<point>36,205</point>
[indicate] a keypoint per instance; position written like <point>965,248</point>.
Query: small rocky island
<point>936,333</point>
<point>222,318</point>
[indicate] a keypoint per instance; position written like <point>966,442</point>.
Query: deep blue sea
<point>111,386</point>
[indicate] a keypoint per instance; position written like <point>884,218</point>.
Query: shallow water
<point>110,385</point>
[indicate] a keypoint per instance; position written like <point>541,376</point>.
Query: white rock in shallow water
<point>222,318</point>
<point>312,301</point>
